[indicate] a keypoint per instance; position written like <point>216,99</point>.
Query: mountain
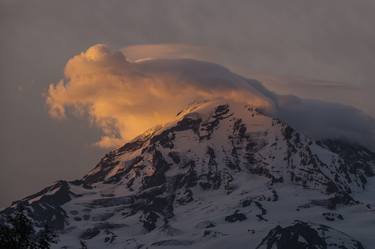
<point>222,175</point>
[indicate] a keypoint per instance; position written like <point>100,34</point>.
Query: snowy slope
<point>222,175</point>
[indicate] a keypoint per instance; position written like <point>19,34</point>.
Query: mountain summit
<point>222,175</point>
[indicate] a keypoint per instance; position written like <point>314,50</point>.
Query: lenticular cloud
<point>126,98</point>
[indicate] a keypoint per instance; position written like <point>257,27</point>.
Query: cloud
<point>321,119</point>
<point>125,98</point>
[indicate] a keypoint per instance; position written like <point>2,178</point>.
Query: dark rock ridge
<point>303,235</point>
<point>45,206</point>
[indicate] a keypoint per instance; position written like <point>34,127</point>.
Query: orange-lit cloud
<point>125,98</point>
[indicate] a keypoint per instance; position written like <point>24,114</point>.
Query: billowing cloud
<point>125,98</point>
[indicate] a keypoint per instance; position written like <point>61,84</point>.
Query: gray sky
<point>319,49</point>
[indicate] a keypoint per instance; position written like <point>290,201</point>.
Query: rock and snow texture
<point>222,175</point>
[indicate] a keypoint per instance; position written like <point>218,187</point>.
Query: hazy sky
<point>319,49</point>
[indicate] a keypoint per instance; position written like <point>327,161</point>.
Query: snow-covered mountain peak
<point>222,174</point>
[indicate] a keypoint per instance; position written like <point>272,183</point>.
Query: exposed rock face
<point>221,173</point>
<point>302,235</point>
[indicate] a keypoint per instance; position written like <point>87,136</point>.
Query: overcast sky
<point>317,49</point>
